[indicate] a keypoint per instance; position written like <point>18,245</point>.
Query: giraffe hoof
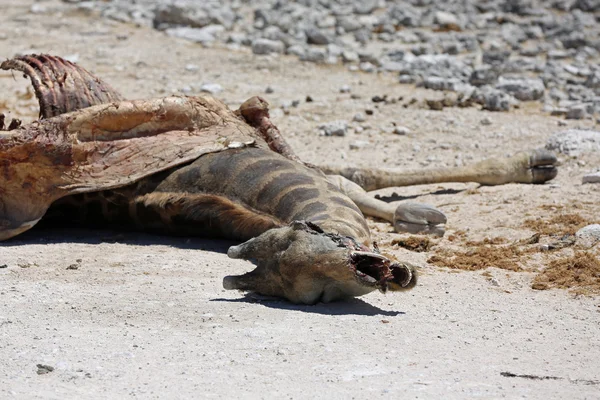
<point>542,165</point>
<point>419,218</point>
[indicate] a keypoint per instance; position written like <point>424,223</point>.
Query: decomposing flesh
<point>190,165</point>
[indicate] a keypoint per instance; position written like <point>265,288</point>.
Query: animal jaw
<point>306,265</point>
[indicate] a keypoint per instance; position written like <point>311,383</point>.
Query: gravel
<point>523,49</point>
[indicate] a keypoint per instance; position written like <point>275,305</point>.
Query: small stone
<point>269,90</point>
<point>358,144</point>
<point>316,36</point>
<point>522,89</point>
<point>296,50</point>
<point>315,54</point>
<point>592,178</point>
<point>350,56</point>
<point>192,67</point>
<point>359,117</point>
<point>401,130</point>
<point>495,100</point>
<point>573,142</point>
<point>485,121</point>
<point>437,83</point>
<point>44,369</point>
<point>367,67</point>
<point>483,76</point>
<point>334,128</point>
<point>589,235</point>
<point>578,111</point>
<point>212,88</point>
<point>3,266</point>
<point>406,79</point>
<point>204,35</point>
<point>266,46</point>
<point>345,89</point>
<point>446,19</point>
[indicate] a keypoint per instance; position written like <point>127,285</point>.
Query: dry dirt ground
<point>133,315</point>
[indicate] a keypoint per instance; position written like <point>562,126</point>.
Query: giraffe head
<point>303,264</point>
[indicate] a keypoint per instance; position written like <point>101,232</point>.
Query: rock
<point>577,111</point>
<point>591,178</point>
<point>358,144</point>
<point>267,46</point>
<point>406,79</point>
<point>315,54</point>
<point>364,7</point>
<point>483,76</point>
<point>574,142</point>
<point>297,50</point>
<point>437,83</point>
<point>334,128</point>
<point>204,35</point>
<point>362,36</point>
<point>493,99</point>
<point>401,130</point>
<point>212,88</point>
<point>349,24</point>
<point>316,36</point>
<point>522,89</point>
<point>345,89</point>
<point>192,67</point>
<point>446,20</point>
<point>350,56</point>
<point>588,236</point>
<point>495,57</point>
<point>367,67</point>
<point>181,14</point>
<point>485,121</point>
<point>44,369</point>
<point>440,65</point>
<point>359,117</point>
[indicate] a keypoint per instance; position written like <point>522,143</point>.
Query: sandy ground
<point>145,316</point>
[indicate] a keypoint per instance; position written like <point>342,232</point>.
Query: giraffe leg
<point>537,166</point>
<point>406,217</point>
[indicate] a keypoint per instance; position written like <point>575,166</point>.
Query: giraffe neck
<point>274,185</point>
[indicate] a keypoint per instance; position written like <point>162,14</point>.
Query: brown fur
<point>208,211</point>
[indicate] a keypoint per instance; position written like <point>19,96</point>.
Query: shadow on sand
<point>348,307</point>
<point>44,235</point>
<point>396,197</point>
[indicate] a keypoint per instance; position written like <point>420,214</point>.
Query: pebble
<point>315,54</point>
<point>574,142</point>
<point>588,236</point>
<point>522,89</point>
<point>204,35</point>
<point>345,89</point>
<point>401,130</point>
<point>577,111</point>
<point>528,43</point>
<point>359,117</point>
<point>212,88</point>
<point>485,121</point>
<point>592,178</point>
<point>358,144</point>
<point>334,128</point>
<point>266,46</point>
